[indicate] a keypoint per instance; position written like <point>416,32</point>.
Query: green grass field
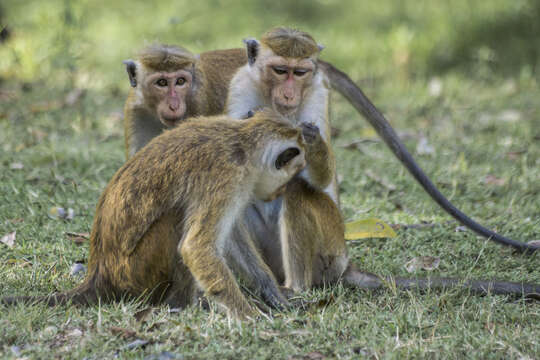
<point>430,66</point>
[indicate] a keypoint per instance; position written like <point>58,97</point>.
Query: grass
<point>482,123</point>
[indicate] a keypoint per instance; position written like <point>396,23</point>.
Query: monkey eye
<point>181,81</point>
<point>286,156</point>
<point>280,70</point>
<point>300,72</point>
<point>161,82</point>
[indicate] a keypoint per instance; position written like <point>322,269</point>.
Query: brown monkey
<point>170,84</point>
<point>204,94</point>
<point>283,72</point>
<point>163,225</point>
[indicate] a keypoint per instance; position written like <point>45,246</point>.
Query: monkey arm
<point>320,164</point>
<point>200,251</point>
<point>313,246</point>
<point>242,252</point>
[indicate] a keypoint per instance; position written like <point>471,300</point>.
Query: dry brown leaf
<point>428,263</point>
<point>314,355</point>
<point>493,180</point>
<point>122,332</point>
<point>143,314</point>
<point>515,155</point>
<point>16,220</point>
<point>78,238</point>
<point>9,239</point>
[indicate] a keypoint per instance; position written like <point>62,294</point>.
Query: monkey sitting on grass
<point>165,225</point>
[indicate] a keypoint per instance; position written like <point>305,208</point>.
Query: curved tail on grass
<point>346,87</point>
<point>368,281</point>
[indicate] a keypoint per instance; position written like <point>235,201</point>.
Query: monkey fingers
<point>310,132</point>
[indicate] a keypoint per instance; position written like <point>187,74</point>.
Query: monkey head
<point>284,62</point>
<point>280,158</point>
<point>164,79</point>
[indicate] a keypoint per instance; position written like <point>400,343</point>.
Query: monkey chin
<point>171,122</point>
<point>285,110</point>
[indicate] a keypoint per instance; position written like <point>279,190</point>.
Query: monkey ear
<point>321,47</point>
<point>286,156</point>
<point>252,47</point>
<point>131,68</point>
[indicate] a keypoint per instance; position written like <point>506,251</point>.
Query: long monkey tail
<point>368,281</point>
<point>346,87</point>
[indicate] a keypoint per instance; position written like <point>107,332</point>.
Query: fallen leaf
<point>16,166</point>
<point>9,239</point>
<point>75,333</point>
<point>357,144</point>
<point>122,332</point>
<point>268,335</point>
<point>314,355</point>
<point>428,263</point>
<point>78,238</point>
<point>141,315</point>
<point>515,155</point>
<point>165,355</point>
<point>493,180</point>
<point>368,228</point>
<point>16,220</point>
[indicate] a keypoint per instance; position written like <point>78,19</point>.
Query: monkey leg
<point>313,245</point>
<point>247,258</point>
<point>200,252</point>
<point>183,291</point>
<point>262,222</point>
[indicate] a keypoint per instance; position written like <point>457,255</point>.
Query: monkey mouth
<point>171,121</point>
<point>285,109</point>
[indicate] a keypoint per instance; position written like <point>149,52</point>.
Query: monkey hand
<point>274,299</point>
<point>310,132</point>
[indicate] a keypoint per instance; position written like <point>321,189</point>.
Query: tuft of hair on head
<point>161,57</point>
<point>288,42</point>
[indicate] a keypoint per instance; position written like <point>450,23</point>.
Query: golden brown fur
<point>312,248</point>
<point>290,42</point>
<point>163,223</point>
<point>159,57</point>
<point>206,94</point>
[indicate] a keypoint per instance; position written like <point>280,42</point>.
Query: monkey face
<point>167,92</point>
<point>288,79</point>
<point>281,167</point>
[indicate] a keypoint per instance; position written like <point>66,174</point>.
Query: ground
<point>473,126</point>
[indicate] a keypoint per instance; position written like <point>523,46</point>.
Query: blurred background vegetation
<point>62,43</point>
<point>458,79</point>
